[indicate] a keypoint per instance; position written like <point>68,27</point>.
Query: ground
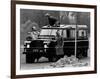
<point>44,64</point>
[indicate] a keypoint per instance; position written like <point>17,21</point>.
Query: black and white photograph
<point>54,39</point>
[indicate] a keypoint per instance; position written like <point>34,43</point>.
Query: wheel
<point>85,53</point>
<point>52,59</point>
<point>30,58</point>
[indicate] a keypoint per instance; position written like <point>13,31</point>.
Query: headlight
<point>28,46</point>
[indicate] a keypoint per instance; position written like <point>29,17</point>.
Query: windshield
<point>48,32</point>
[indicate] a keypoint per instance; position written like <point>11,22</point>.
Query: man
<point>52,20</point>
<point>34,33</point>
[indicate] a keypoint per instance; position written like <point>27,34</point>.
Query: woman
<point>59,47</point>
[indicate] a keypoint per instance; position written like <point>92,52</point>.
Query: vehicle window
<point>82,33</point>
<point>68,33</point>
<point>72,33</point>
<point>49,32</point>
<point>53,32</point>
<point>45,32</point>
<point>60,32</point>
<point>64,34</point>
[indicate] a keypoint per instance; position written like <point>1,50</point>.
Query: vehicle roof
<point>65,26</point>
<point>52,30</point>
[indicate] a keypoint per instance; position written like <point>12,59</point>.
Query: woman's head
<point>58,34</point>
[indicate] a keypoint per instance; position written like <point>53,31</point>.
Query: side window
<point>68,33</point>
<point>82,33</point>
<point>72,33</point>
<point>64,34</point>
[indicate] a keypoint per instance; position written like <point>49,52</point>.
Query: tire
<point>30,58</point>
<point>52,59</point>
<point>80,53</point>
<point>85,53</point>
